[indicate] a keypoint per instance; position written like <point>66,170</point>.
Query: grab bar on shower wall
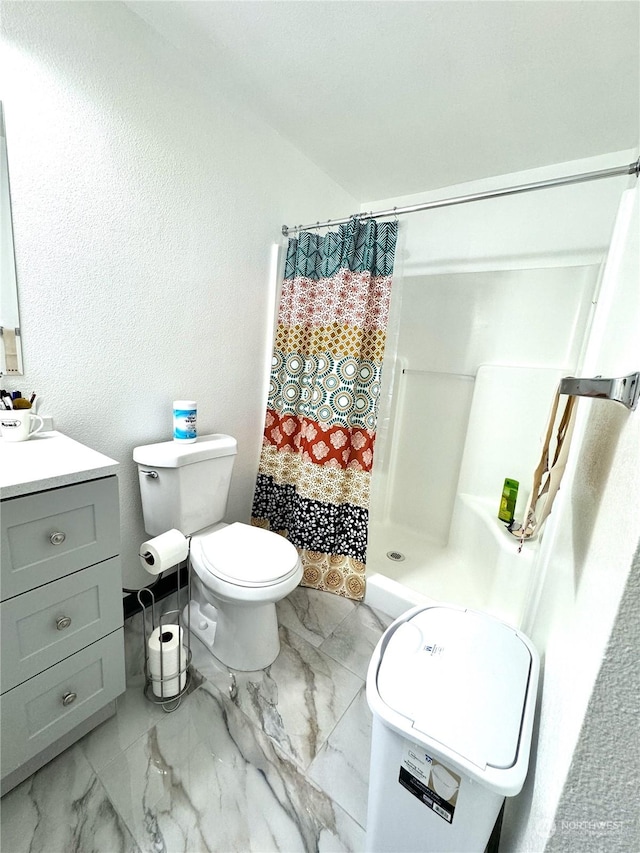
<point>625,390</point>
<point>416,370</point>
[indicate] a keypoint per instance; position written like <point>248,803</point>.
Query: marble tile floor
<point>275,760</point>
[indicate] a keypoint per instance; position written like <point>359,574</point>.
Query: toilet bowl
<point>241,572</point>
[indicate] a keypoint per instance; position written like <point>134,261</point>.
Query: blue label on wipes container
<point>184,424</point>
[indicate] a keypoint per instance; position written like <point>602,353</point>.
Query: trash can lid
<point>461,679</point>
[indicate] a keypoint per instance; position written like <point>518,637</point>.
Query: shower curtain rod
<point>631,169</point>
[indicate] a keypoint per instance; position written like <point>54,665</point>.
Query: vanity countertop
<point>47,461</point>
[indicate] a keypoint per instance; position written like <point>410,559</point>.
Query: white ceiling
<point>391,98</point>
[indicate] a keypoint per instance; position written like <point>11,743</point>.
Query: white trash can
<point>453,695</point>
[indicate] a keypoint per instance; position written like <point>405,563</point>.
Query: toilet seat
<point>246,556</point>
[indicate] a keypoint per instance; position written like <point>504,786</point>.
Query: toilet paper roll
<point>167,657</point>
<point>164,551</point>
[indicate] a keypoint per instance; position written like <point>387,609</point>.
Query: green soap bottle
<point>508,500</point>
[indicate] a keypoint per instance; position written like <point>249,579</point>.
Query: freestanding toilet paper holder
<point>159,686</point>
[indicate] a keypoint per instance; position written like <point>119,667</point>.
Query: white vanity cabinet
<point>61,613</point>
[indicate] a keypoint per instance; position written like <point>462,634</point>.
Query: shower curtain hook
<point>396,215</point>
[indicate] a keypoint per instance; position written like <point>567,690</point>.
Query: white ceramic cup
<point>16,424</point>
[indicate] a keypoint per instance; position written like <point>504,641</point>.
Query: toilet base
<point>242,638</point>
<point>203,625</point>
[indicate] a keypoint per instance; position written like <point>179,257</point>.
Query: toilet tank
<point>185,486</point>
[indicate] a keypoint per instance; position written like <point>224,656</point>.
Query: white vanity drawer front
<point>48,535</point>
<point>41,627</point>
<point>46,707</point>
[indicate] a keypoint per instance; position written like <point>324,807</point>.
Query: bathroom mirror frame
<point>10,336</point>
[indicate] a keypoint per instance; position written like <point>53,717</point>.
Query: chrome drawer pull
<point>57,538</point>
<point>68,698</point>
<point>63,622</point>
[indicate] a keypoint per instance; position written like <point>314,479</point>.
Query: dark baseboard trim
<point>161,589</point>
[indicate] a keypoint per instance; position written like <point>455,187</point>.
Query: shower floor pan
<point>480,568</point>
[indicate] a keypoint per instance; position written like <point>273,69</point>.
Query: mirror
<point>10,347</point>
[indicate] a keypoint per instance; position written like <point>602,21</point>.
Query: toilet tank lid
<point>175,454</point>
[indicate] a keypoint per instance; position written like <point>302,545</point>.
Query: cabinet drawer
<point>51,534</point>
<point>46,707</point>
<point>41,627</point>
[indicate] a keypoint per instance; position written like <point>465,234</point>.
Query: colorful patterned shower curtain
<point>320,427</point>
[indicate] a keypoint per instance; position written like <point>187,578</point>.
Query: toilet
<point>239,571</point>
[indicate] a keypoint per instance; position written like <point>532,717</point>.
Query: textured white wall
<point>599,808</point>
<point>145,202</point>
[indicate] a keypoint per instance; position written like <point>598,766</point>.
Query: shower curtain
<point>320,427</point>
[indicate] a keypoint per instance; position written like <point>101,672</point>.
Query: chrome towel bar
<point>625,389</point>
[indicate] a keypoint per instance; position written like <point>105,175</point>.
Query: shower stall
<point>479,358</point>
<point>495,307</point>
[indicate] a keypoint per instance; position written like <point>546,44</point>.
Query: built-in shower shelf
<point>477,532</point>
<point>484,513</point>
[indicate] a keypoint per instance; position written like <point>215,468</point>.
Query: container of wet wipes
<point>185,416</point>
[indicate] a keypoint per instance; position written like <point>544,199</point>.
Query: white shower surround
<point>477,375</point>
